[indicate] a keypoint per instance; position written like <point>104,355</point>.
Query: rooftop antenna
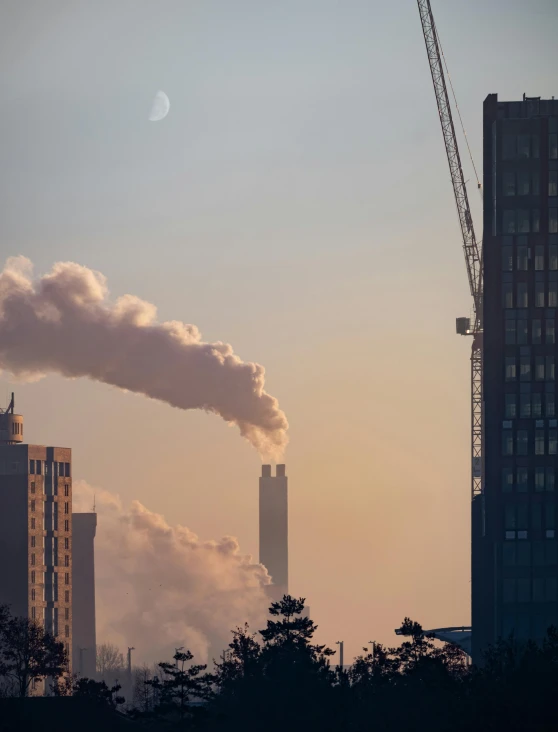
<point>94,502</point>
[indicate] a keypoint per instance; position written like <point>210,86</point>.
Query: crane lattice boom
<point>471,248</point>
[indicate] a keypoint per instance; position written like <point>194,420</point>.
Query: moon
<point>160,107</point>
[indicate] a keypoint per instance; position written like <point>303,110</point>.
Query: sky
<point>295,203</point>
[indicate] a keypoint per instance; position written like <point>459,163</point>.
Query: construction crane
<point>471,248</point>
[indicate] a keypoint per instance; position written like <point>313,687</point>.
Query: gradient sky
<point>296,203</point>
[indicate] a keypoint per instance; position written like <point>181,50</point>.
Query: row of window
<point>539,444</point>
<point>530,405</point>
<point>33,488</point>
<point>535,515</point>
<point>520,147</point>
<point>57,469</point>
<point>526,183</point>
<point>55,559</point>
<point>545,294</point>
<point>524,254</point>
<point>544,368</point>
<point>527,553</point>
<point>522,480</point>
<point>517,331</point>
<point>524,589</point>
<point>33,508</point>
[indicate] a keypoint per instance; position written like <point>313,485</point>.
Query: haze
<point>295,203</point>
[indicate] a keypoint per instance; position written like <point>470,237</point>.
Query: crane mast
<point>471,249</point>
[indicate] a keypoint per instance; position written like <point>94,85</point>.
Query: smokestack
<point>274,529</point>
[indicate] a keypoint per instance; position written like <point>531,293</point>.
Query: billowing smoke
<point>62,323</point>
<point>160,587</point>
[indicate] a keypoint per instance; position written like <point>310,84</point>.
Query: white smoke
<point>62,323</point>
<point>160,587</point>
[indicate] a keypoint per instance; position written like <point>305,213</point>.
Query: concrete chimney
<point>274,529</point>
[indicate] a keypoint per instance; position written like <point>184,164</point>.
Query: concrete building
<point>35,529</point>
<point>83,594</point>
<point>274,528</point>
<point>514,547</point>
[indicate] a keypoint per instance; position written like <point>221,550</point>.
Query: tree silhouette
<point>180,685</point>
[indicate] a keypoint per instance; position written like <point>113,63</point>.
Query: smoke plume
<point>63,323</point>
<point>160,587</point>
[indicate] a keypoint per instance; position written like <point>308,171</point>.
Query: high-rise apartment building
<point>274,528</point>
<point>515,548</point>
<point>83,594</point>
<point>35,529</point>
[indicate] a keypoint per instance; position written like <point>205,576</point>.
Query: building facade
<point>36,529</point>
<point>84,635</point>
<point>515,549</point>
<point>274,528</point>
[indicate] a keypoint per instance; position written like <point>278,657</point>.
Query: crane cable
<point>479,184</point>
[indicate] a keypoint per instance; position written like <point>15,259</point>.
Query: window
<point>508,222</point>
<point>32,467</point>
<point>550,480</point>
<point>508,590</point>
<point>510,521</point>
<point>522,221</point>
<point>549,516</point>
<point>33,613</point>
<point>539,442</point>
<point>553,183</point>
<point>511,406</point>
<point>535,220</point>
<point>67,578</point>
<point>33,595</point>
<point>552,294</point>
<point>522,258</point>
<point>507,480</point>
<point>523,183</point>
<point>522,442</point>
<point>535,188</point>
<point>552,220</point>
<point>66,543</point>
<point>66,613</point>
<point>536,331</point>
<point>67,471</point>
<point>32,560</point>
<point>539,258</point>
<point>539,368</point>
<point>33,523</point>
<point>522,480</point>
<point>510,332</point>
<point>32,506</point>
<point>553,257</point>
<point>552,441</point>
<point>507,259</point>
<point>525,406</point>
<point>539,294</point>
<point>33,577</point>
<point>507,294</point>
<point>539,481</point>
<point>523,590</point>
<point>553,147</point>
<point>33,541</point>
<point>507,442</point>
<point>523,146</point>
<point>66,490</point>
<point>550,370</point>
<point>536,405</point>
<point>522,297</point>
<point>67,560</point>
<point>509,147</point>
<point>510,368</point>
<point>525,368</point>
<point>508,184</point>
<point>66,525</point>
<point>66,507</point>
<point>32,486</point>
<point>66,596</point>
<point>550,332</point>
<point>66,631</point>
<point>549,405</point>
<point>38,467</point>
<point>522,332</point>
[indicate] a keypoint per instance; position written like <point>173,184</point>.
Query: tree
<point>181,684</point>
<point>28,653</point>
<point>143,696</point>
<point>99,692</point>
<point>109,659</point>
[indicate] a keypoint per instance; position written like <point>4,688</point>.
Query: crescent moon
<point>160,107</point>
